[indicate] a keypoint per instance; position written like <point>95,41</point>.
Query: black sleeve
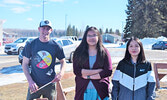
<point>27,50</point>
<point>115,82</point>
<point>115,90</point>
<point>60,53</point>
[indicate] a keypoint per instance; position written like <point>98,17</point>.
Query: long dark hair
<point>141,56</point>
<point>81,52</point>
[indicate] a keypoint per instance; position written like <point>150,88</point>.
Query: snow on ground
<point>15,74</point>
<point>6,79</point>
<point>111,45</point>
<point>1,49</point>
<point>148,42</point>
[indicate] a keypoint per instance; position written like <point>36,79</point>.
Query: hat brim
<point>46,25</point>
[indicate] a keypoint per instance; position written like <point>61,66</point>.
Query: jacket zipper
<point>134,80</point>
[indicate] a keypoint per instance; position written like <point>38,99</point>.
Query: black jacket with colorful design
<point>133,81</point>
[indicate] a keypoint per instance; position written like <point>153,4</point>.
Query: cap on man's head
<point>45,23</point>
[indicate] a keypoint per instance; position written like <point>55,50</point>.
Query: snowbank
<point>148,42</point>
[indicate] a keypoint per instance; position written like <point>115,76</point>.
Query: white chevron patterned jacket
<point>133,81</point>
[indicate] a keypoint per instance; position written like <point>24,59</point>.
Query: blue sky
<point>26,14</point>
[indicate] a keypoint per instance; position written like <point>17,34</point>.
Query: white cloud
<point>14,2</point>
<point>2,5</point>
<point>35,5</point>
<point>18,10</point>
<point>29,19</point>
<point>76,2</point>
<point>57,0</point>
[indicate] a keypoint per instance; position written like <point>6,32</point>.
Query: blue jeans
<point>91,94</point>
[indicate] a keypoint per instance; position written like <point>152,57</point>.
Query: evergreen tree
<point>77,33</point>
<point>146,18</point>
<point>127,29</point>
<point>117,32</point>
<point>110,31</point>
<point>106,30</point>
<point>162,7</point>
<point>69,31</point>
<point>101,31</point>
<point>73,30</point>
<point>81,33</point>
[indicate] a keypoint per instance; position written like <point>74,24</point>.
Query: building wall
<point>110,38</point>
<point>1,32</point>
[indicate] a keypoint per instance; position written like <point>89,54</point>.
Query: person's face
<point>45,32</point>
<point>92,38</point>
<point>134,48</point>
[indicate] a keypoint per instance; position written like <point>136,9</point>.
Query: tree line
<point>71,31</point>
<point>33,33</point>
<point>146,18</point>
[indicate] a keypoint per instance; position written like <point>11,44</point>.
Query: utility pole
<point>43,9</point>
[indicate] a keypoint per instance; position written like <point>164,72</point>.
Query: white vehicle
<point>74,38</point>
<point>17,46</point>
<point>68,46</point>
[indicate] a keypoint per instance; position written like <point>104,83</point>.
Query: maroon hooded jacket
<point>101,85</point>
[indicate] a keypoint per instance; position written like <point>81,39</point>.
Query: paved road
<point>8,60</point>
<point>116,55</point>
<point>152,55</point>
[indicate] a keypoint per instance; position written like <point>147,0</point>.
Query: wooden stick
<point>60,93</point>
<point>42,87</point>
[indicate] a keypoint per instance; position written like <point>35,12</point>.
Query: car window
<point>65,42</point>
<point>30,39</point>
<point>21,40</point>
<point>70,42</point>
<point>161,42</point>
<point>158,42</point>
<point>165,42</point>
<point>75,38</point>
<point>54,39</point>
<point>59,42</point>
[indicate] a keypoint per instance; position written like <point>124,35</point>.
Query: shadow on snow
<point>12,69</point>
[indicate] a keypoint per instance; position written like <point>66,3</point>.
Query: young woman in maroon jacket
<point>92,67</point>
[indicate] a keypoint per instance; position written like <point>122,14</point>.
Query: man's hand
<point>58,77</point>
<point>33,87</point>
<point>61,73</point>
